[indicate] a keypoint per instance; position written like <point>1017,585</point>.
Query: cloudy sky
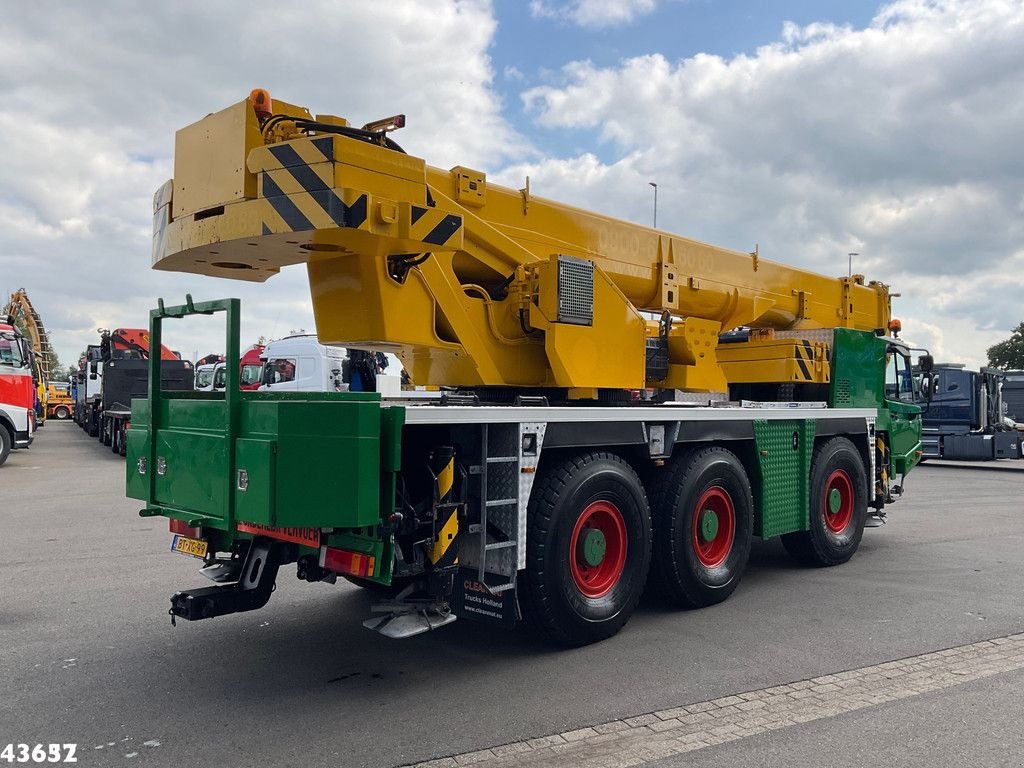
<point>812,128</point>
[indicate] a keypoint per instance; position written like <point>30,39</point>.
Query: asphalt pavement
<point>88,654</point>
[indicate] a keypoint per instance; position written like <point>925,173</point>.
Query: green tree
<point>1009,354</point>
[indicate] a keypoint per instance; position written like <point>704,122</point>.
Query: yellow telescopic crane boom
<point>474,284</point>
<point>19,306</point>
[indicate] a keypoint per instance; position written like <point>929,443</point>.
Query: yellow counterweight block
<point>444,551</point>
<point>765,359</point>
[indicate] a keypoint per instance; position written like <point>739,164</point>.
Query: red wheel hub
<point>838,501</point>
<point>597,549</point>
<point>714,527</point>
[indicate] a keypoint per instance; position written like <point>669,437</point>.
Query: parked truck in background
<point>59,402</point>
<point>1013,396</point>
<point>17,391</point>
<point>251,368</point>
<point>300,363</point>
<point>88,390</point>
<point>965,417</point>
<point>125,353</point>
<point>535,488</point>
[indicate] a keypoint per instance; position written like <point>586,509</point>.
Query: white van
<point>303,364</point>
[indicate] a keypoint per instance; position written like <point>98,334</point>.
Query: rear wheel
<point>703,522</point>
<point>115,437</point>
<point>106,431</point>
<point>61,412</point>
<point>838,506</point>
<point>588,548</point>
<point>6,441</point>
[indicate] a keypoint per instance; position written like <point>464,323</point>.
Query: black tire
<point>122,447</point>
<point>106,431</point>
<point>61,412</point>
<point>6,442</point>
<point>686,568</point>
<point>588,548</point>
<point>837,477</point>
<point>115,437</point>
<point>93,424</point>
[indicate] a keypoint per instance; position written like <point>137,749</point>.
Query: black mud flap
<point>252,590</point>
<point>472,600</point>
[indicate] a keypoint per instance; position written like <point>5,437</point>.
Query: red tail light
<point>344,561</point>
<point>179,527</point>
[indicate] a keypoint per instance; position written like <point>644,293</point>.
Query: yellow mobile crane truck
<point>622,407</point>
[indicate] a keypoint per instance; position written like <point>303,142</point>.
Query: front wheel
<point>838,506</point>
<point>588,548</point>
<point>703,523</point>
<point>61,412</point>
<point>5,444</point>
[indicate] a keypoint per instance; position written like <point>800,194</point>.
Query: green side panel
<point>136,447</point>
<point>784,451</point>
<point>190,470</point>
<point>311,460</point>
<point>255,495</point>
<point>327,460</point>
<point>858,369</point>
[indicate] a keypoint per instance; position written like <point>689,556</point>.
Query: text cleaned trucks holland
<point>537,487</point>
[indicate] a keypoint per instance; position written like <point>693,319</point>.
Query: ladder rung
<point>501,459</point>
<point>502,502</point>
<point>499,545</point>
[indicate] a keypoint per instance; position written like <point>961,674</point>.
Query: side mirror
<point>926,363</point>
<point>928,385</point>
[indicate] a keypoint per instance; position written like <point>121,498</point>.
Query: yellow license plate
<point>187,546</point>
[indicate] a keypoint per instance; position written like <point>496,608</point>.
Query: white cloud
<point>595,14</point>
<point>900,141</point>
<point>90,99</point>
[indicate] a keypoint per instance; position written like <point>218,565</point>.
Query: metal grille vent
<point>575,291</point>
<point>843,394</point>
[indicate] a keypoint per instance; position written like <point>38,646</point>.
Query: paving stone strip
<point>654,736</point>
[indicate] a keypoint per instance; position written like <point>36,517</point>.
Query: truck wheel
<point>702,512</point>
<point>588,548</point>
<point>115,437</point>
<point>6,441</point>
<point>94,425</point>
<point>838,506</point>
<point>106,431</point>
<point>61,412</point>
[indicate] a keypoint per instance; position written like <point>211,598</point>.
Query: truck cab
<point>204,377</point>
<point>251,368</point>
<point>965,416</point>
<point>302,364</point>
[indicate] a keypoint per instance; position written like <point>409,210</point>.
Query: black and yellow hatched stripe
<point>804,354</point>
<point>431,226</point>
<point>296,182</point>
<point>444,552</point>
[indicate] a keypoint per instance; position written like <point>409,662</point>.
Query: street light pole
<point>850,265</point>
<point>655,203</point>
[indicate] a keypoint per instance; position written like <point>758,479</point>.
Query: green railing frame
<point>232,393</point>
